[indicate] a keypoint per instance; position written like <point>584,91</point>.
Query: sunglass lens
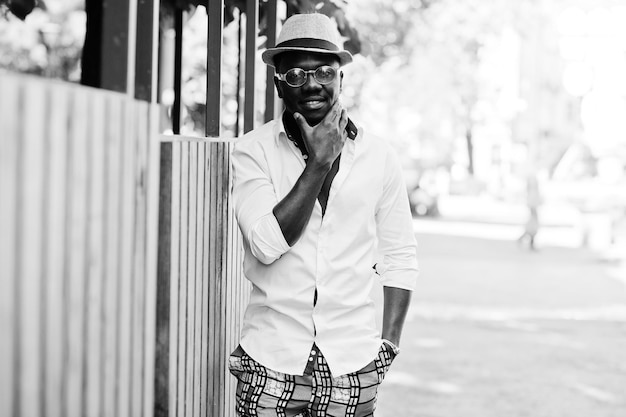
<point>295,77</point>
<point>325,74</point>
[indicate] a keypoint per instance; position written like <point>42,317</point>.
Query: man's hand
<point>325,140</point>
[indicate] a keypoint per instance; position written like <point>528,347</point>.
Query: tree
<point>428,57</point>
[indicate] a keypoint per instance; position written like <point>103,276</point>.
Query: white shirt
<point>367,222</point>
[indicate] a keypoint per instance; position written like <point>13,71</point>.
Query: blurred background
<point>510,120</point>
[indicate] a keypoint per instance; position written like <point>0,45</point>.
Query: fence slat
<point>9,143</point>
<point>204,331</point>
<point>139,253</point>
<point>176,226</point>
<point>54,267</point>
<point>184,279</point>
<point>126,287</point>
<point>197,293</point>
<point>30,251</point>
<point>95,245</point>
<point>113,138</point>
<point>191,278</point>
<point>77,254</point>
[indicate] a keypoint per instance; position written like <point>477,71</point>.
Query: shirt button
<point>305,156</point>
<point>313,352</point>
<point>311,359</point>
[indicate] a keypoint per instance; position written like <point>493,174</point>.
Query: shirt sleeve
<point>396,239</point>
<point>254,199</point>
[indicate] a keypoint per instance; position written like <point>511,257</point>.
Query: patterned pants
<point>263,392</point>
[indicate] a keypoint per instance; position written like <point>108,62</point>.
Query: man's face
<point>312,100</point>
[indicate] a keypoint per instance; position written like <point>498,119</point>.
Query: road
<point>495,330</point>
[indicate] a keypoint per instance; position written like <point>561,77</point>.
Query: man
<point>318,202</point>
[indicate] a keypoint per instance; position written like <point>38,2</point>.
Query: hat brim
<point>268,55</point>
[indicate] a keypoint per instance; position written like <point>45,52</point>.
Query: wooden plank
<point>55,328</point>
<point>252,28</point>
<point>233,304</point>
<point>152,256</point>
<point>212,385</point>
<point>139,253</point>
<point>153,341</point>
<point>223,248</point>
<point>94,280</point>
<point>183,281</point>
<point>191,278</point>
<point>175,322</point>
<point>164,296</point>
<point>10,144</point>
<point>204,331</point>
<point>199,273</point>
<point>126,288</point>
<point>76,252</point>
<point>113,137</point>
<point>30,249</point>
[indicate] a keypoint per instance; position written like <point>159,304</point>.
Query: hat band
<point>309,43</point>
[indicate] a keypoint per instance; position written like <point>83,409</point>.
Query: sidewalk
<point>498,331</point>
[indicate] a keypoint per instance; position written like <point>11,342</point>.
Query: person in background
<point>533,201</point>
<point>318,202</point>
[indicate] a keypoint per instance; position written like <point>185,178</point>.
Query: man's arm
<point>396,305</point>
<point>324,142</point>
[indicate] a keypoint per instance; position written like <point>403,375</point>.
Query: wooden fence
<point>199,235</point>
<point>115,294</point>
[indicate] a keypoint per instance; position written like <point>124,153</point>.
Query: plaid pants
<point>263,392</point>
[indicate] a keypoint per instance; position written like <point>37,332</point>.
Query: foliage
<point>46,43</point>
<point>429,59</point>
<point>20,8</point>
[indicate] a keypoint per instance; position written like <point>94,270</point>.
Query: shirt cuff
<point>405,279</point>
<point>266,240</point>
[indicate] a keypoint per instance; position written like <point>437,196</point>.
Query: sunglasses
<point>296,77</point>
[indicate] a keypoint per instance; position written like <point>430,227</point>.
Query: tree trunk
<point>470,150</point>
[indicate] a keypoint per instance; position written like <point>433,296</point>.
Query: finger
<point>301,121</point>
<point>343,119</point>
<point>334,111</point>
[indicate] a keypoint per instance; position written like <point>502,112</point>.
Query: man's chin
<point>314,117</point>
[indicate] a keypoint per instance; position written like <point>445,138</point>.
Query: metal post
<point>214,68</point>
<point>252,25</point>
<point>270,95</point>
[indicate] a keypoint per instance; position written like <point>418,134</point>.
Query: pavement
<point>497,330</point>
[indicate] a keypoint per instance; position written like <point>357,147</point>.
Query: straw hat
<point>309,33</point>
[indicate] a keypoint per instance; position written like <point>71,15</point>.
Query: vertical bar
<point>214,68</point>
<point>76,254</point>
<point>54,267</point>
<point>153,273</point>
<point>270,94</point>
<point>95,278</point>
<point>9,213</point>
<point>252,24</point>
<point>238,90</point>
<point>162,348</point>
<point>178,64</point>
<point>132,47</point>
<point>114,131</point>
<point>175,279</point>
<point>115,31</point>
<point>146,54</point>
<point>206,246</point>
